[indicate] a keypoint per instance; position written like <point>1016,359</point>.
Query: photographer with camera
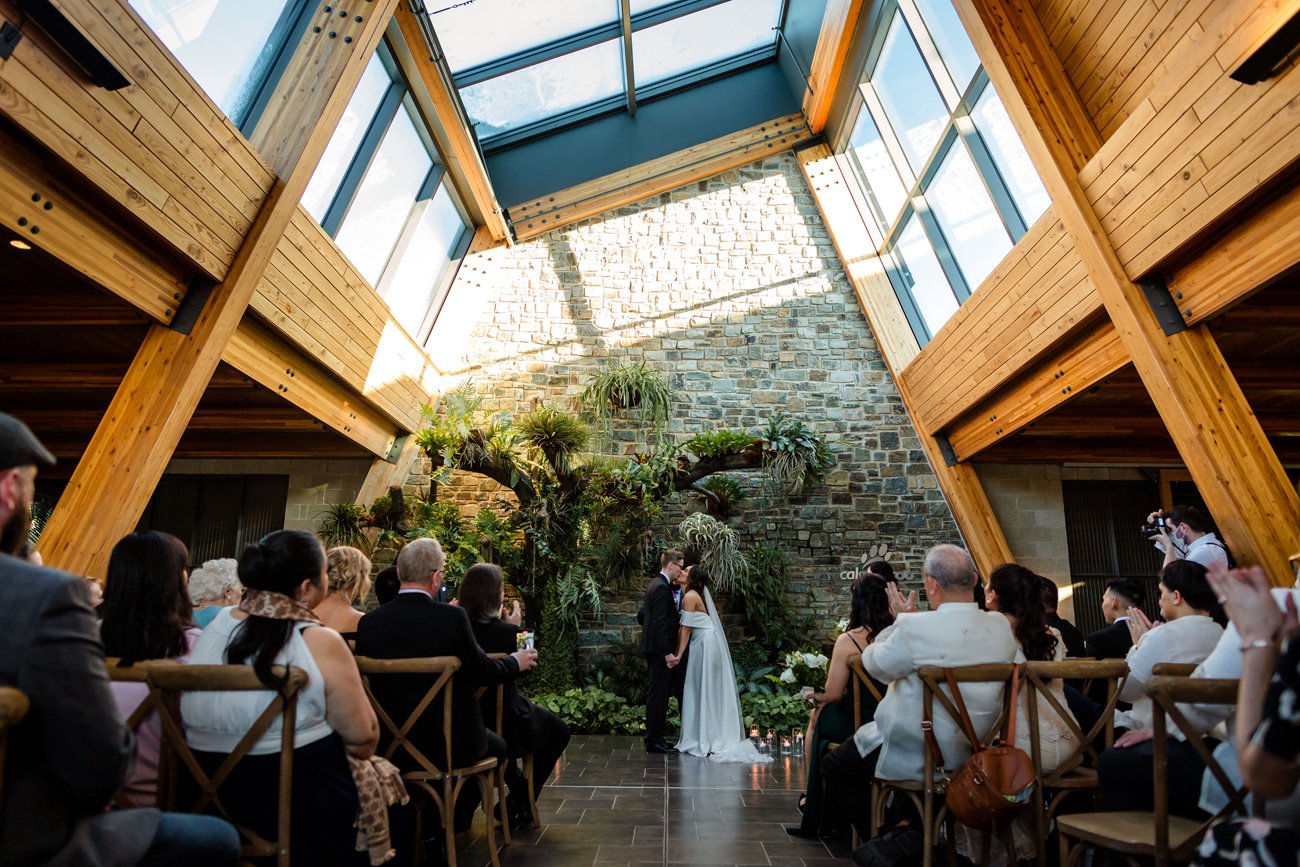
<point>1184,534</point>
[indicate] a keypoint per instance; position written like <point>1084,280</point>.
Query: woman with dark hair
<point>1017,594</point>
<point>711,722</point>
<point>831,720</point>
<point>146,616</point>
<point>527,727</point>
<point>284,576</point>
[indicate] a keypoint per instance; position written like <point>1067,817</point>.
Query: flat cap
<point>19,447</point>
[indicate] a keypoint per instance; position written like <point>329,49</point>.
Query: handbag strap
<point>927,726</point>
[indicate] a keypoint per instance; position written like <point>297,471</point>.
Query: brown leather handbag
<point>997,781</point>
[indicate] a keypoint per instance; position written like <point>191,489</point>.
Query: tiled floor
<point>611,803</point>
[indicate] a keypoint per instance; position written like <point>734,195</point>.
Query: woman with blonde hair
<point>349,582</point>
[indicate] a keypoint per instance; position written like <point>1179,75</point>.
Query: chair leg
<point>1064,842</point>
<point>927,831</point>
<point>450,789</point>
<point>485,785</point>
<point>500,777</point>
<point>532,790</point>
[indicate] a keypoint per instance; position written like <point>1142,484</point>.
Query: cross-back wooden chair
<point>138,673</point>
<point>13,707</point>
<point>167,680</point>
<point>1077,771</point>
<point>1173,669</point>
<point>443,787</point>
<point>497,723</point>
<point>927,793</point>
<point>860,683</point>
<point>1158,835</point>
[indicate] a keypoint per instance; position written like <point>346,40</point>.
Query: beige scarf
<point>378,781</point>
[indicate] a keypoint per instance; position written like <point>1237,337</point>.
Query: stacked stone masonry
<point>733,288</point>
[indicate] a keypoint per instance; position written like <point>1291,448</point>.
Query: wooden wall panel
<point>1033,299</point>
<point>316,299</point>
<point>158,147</point>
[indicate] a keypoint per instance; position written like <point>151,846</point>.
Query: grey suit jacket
<point>71,753</point>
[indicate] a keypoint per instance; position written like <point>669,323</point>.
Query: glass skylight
<point>544,90</point>
<point>954,45</point>
<point>691,42</point>
<point>912,102</point>
<point>324,184</point>
<point>485,31</point>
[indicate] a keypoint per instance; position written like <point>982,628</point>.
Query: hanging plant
<point>714,545</point>
<point>618,387</point>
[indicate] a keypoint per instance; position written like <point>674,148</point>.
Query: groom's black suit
<point>658,639</point>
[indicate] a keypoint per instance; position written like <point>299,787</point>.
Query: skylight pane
<point>347,138</point>
<point>911,100</point>
<point>873,162</point>
<point>703,38</point>
<point>1000,137</point>
<point>966,214</point>
<point>488,30</point>
<point>924,277</point>
<point>950,37</point>
<point>546,89</point>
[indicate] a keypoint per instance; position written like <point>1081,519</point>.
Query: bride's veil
<point>724,649</point>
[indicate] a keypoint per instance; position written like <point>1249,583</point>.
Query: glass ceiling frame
<point>622,27</point>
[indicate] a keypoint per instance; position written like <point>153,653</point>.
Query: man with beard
<point>71,752</point>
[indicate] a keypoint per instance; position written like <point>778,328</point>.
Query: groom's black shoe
<point>658,746</point>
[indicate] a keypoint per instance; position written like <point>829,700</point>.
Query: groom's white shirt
<point>953,635</point>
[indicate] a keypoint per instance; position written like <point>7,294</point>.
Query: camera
<point>1151,529</point>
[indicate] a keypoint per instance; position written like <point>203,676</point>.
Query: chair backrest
<point>137,672</point>
<point>167,680</point>
<point>1173,669</point>
<point>439,669</point>
<point>13,707</point>
<point>498,723</point>
<point>1166,693</point>
<point>1038,676</point>
<point>935,687</point>
<point>859,680</point>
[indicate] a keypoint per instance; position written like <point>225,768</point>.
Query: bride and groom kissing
<point>687,654</point>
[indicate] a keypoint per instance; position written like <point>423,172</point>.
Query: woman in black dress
<point>527,728</point>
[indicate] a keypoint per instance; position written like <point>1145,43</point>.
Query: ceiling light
<point>19,244</point>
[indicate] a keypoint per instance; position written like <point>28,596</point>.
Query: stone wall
<point>732,287</point>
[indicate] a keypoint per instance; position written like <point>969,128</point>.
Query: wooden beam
<point>233,420</point>
<point>149,413</point>
<point>1248,257</point>
<point>461,152</point>
<point>256,351</point>
<point>540,215</point>
<point>1202,406</point>
<point>960,485</point>
<point>827,67</point>
<point>385,474</point>
<point>1088,359</point>
<point>41,203</point>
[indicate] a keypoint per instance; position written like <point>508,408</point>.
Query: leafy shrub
<point>795,455</point>
<point>556,434</point>
<point>627,386</point>
<point>623,672</point>
<point>717,443</point>
<point>729,495</point>
<point>343,524</point>
<point>592,710</point>
<point>782,711</point>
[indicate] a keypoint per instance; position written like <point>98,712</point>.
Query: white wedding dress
<point>711,721</point>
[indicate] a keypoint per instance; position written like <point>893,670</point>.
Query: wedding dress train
<point>711,721</point>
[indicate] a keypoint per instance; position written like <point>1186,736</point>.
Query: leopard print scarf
<point>275,606</point>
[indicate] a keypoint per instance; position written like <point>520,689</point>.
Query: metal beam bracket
<point>9,39</point>
<point>1163,304</point>
<point>191,305</point>
<point>946,449</point>
<point>395,450</point>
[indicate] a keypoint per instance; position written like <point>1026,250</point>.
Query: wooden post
<point>384,474</point>
<point>961,487</point>
<point>142,426</point>
<point>1198,399</point>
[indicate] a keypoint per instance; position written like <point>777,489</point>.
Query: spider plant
<point>715,547</point>
<point>344,524</point>
<point>634,385</point>
<point>559,436</point>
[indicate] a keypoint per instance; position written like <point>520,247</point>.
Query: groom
<point>658,643</point>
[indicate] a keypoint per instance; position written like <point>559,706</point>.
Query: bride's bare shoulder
<point>692,601</point>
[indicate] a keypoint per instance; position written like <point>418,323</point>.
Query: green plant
<point>343,524</point>
<point>756,681</point>
<point>560,437</point>
<point>727,495</point>
<point>622,672</point>
<point>635,385</point>
<point>795,455</point>
<point>592,710</point>
<point>782,711</point>
<point>716,444</point>
<point>714,545</point>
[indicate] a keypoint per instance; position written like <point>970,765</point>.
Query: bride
<point>711,722</point>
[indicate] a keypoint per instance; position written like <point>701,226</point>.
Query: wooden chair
<point>167,680</point>
<point>443,787</point>
<point>138,673</point>
<point>498,726</point>
<point>1070,776</point>
<point>13,707</point>
<point>1173,669</point>
<point>927,794</point>
<point>859,682</point>
<point>1158,835</point>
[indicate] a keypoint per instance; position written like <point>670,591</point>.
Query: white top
<point>216,721</point>
<point>1206,550</point>
<point>954,635</point>
<point>1187,639</point>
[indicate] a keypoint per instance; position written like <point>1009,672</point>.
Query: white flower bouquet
<point>804,669</point>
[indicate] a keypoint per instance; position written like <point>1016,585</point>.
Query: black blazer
<point>72,751</point>
<point>1113,642</point>
<point>659,627</point>
<point>413,626</point>
<point>522,728</point>
<point>1070,634</point>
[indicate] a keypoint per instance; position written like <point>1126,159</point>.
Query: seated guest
<point>1188,635</point>
<point>527,727</point>
<point>831,721</point>
<point>1017,593</point>
<point>1114,640</point>
<point>146,616</point>
<point>284,575</point>
<point>349,582</point>
<point>414,626</point>
<point>1069,633</point>
<point>956,632</point>
<point>71,751</point>
<point>213,586</point>
<point>387,585</point>
<point>1267,731</point>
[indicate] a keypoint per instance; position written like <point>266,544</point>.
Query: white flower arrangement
<point>804,668</point>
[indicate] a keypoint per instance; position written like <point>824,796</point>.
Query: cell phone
<point>525,640</point>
